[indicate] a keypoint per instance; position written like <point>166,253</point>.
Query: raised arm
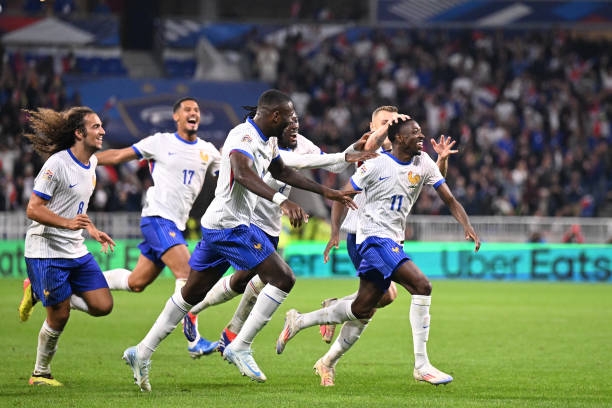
<point>444,148</point>
<point>376,139</point>
<point>115,156</point>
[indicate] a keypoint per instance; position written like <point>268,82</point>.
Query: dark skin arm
<point>244,174</point>
<point>338,214</point>
<point>459,213</point>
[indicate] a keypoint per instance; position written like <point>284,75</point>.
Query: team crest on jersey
<point>46,293</point>
<point>203,156</point>
<point>48,175</point>
<point>396,250</point>
<point>247,139</point>
<point>257,246</point>
<point>414,178</point>
<point>93,181</point>
<point>172,234</point>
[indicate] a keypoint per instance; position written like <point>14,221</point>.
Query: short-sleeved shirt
<point>178,168</point>
<point>67,185</point>
<point>391,188</point>
<point>234,204</point>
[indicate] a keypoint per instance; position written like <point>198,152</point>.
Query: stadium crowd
<point>530,111</point>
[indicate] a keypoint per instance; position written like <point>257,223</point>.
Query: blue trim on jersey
<point>395,159</point>
<point>355,186</point>
<point>247,154</point>
<point>276,158</point>
<point>77,161</point>
<point>439,183</point>
<point>135,149</point>
<point>263,137</point>
<point>42,195</point>
<point>183,140</point>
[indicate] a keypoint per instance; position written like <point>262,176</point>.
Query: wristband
<point>279,198</point>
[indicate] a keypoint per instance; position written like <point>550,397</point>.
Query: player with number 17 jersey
<point>178,168</point>
<point>391,188</point>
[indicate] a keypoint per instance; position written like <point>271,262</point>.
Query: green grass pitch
<point>506,344</point>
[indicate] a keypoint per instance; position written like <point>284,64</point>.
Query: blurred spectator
<point>531,110</point>
<point>573,235</point>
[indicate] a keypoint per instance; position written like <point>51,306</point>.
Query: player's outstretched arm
<point>112,157</point>
<point>244,174</point>
<point>459,213</point>
<point>287,175</point>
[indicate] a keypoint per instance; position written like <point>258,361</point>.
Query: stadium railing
<point>125,225</point>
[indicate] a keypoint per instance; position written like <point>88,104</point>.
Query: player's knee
<point>362,313</point>
<point>137,288</point>
<point>102,309</point>
<point>423,287</point>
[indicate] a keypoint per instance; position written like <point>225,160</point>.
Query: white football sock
<point>78,303</point>
<point>47,345</point>
<point>249,297</point>
<point>178,284</point>
<point>176,308</point>
<point>117,279</point>
<point>349,334</point>
<point>419,320</point>
<point>221,292</point>
<point>267,302</point>
<point>339,312</point>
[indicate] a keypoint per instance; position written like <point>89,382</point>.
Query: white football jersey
<point>178,169</point>
<point>68,185</point>
<point>391,188</point>
<point>306,155</point>
<point>349,225</point>
<point>234,204</point>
